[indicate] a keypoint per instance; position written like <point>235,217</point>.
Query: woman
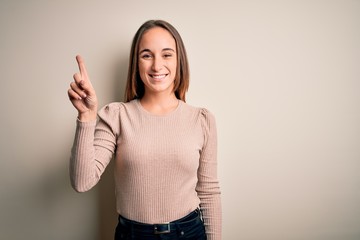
<point>165,150</point>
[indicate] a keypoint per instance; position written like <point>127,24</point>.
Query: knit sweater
<point>165,165</point>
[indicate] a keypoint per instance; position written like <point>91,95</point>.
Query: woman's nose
<point>157,64</point>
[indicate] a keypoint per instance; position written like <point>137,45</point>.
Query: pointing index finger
<point>82,67</point>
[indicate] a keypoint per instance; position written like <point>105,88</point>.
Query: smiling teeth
<point>159,76</point>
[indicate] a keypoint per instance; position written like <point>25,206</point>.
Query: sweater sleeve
<point>208,188</point>
<point>93,148</point>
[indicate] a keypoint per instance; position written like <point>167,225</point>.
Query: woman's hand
<point>82,94</point>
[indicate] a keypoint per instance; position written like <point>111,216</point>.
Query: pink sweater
<point>165,166</point>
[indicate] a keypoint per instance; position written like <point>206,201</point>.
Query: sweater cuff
<point>85,124</point>
<point>85,132</point>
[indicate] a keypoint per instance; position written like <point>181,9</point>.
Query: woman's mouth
<point>158,76</point>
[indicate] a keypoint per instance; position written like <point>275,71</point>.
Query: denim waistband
<point>161,228</point>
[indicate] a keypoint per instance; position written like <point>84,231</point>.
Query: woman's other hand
<point>82,94</point>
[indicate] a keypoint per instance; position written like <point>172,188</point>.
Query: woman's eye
<point>168,55</point>
<point>146,56</point>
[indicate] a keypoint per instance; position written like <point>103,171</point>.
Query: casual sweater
<point>165,165</point>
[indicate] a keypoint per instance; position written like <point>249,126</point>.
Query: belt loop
<point>200,214</point>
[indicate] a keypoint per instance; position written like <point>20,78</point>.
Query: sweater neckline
<point>143,110</point>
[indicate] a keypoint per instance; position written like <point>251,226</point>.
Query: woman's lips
<point>158,76</point>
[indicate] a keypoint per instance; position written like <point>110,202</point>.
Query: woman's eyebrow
<point>144,50</point>
<point>148,50</point>
<point>168,49</point>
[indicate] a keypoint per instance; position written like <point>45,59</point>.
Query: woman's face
<point>157,61</point>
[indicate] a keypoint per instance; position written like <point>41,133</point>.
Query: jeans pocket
<point>121,233</point>
<point>194,232</point>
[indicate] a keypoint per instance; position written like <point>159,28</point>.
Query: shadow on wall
<point>107,205</point>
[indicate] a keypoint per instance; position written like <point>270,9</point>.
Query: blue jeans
<point>190,227</point>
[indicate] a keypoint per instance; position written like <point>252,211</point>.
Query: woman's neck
<point>160,103</point>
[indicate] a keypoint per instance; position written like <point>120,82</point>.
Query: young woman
<point>164,149</point>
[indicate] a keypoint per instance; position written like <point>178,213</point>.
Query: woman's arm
<point>94,143</point>
<point>208,185</point>
<point>93,148</point>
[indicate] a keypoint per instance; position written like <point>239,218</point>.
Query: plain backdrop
<point>282,78</point>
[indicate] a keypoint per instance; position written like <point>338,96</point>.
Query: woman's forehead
<point>157,38</point>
